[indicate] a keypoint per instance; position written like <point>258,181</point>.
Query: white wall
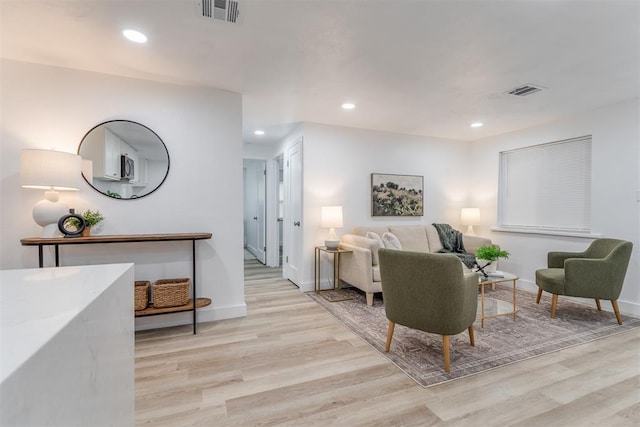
<point>615,182</point>
<point>49,107</point>
<point>338,163</point>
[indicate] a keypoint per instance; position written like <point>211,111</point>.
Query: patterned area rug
<point>502,341</point>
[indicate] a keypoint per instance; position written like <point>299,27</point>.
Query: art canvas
<point>396,195</point>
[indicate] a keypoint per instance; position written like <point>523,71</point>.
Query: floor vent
<point>524,90</point>
<point>220,10</point>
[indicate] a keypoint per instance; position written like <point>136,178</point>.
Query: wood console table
<point>56,242</point>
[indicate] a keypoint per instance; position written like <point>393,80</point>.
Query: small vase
<point>86,232</point>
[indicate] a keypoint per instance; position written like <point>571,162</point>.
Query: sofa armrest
<point>364,243</point>
<point>356,267</point>
<point>557,259</point>
<point>472,243</point>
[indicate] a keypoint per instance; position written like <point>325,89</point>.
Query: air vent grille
<point>524,90</point>
<point>221,10</point>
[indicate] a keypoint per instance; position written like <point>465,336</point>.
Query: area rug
<point>502,341</point>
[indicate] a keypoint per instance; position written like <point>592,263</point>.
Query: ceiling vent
<point>221,10</point>
<point>524,90</point>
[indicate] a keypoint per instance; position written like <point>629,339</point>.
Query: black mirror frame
<point>150,130</point>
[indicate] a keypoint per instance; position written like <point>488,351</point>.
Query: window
<point>546,187</point>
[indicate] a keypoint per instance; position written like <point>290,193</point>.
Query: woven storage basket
<point>141,295</point>
<point>170,292</point>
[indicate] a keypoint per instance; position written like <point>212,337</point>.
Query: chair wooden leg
<point>392,325</point>
<point>616,310</point>
<point>539,296</point>
<point>445,353</point>
<point>598,304</point>
<point>554,303</point>
<point>471,337</point>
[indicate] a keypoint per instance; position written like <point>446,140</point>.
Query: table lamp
<point>470,217</point>
<point>52,171</point>
<point>331,218</point>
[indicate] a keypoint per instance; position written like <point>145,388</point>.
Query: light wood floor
<point>290,363</point>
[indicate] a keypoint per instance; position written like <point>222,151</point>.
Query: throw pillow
<point>376,237</point>
<point>391,241</point>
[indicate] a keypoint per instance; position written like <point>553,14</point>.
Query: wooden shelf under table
<point>150,311</point>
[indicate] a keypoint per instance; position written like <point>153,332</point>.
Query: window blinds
<point>547,187</point>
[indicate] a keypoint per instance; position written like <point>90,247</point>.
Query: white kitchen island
<point>67,346</point>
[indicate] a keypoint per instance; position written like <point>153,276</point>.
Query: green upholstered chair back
<point>602,248</point>
<point>600,274</point>
<point>427,291</point>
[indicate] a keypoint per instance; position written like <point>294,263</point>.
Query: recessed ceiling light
<point>259,132</point>
<point>348,106</point>
<point>135,36</point>
<point>477,124</point>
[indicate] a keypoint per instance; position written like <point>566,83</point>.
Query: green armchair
<point>428,292</point>
<point>597,273</point>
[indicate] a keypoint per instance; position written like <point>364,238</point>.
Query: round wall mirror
<point>123,159</point>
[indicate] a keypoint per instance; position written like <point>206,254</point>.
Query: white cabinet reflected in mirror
<point>128,160</point>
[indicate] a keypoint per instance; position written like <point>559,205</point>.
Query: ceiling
<point>416,67</point>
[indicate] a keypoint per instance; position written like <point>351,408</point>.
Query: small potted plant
<point>487,257</point>
<point>91,218</point>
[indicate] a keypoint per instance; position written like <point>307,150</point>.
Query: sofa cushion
<point>412,237</point>
<point>365,243</point>
<point>376,237</point>
<point>391,241</point>
<point>435,244</point>
<point>362,230</point>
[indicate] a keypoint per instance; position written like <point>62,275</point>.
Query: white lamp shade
<point>49,170</point>
<point>470,216</point>
<point>331,217</point>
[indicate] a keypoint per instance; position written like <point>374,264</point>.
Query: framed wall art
<point>397,195</point>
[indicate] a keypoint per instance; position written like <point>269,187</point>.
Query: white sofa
<point>360,267</point>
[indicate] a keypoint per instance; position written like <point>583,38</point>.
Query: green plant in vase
<point>91,218</point>
<point>488,254</point>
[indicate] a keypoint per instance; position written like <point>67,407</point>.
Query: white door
<point>261,212</point>
<point>293,214</point>
<point>255,207</point>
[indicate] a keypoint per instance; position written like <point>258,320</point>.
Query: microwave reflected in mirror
<point>124,159</point>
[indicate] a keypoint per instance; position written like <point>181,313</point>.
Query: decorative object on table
<point>52,171</point>
<point>396,195</point>
<point>598,272</point>
<point>91,219</point>
<point>113,195</point>
<point>331,218</point>
<point>470,217</point>
<point>141,294</point>
<point>72,224</point>
<point>486,256</point>
<point>170,292</point>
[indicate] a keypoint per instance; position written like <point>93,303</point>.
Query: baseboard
<point>626,307</point>
<point>205,314</point>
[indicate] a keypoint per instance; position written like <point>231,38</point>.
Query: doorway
<point>254,215</point>
<point>280,219</point>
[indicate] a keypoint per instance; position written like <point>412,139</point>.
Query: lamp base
<point>47,212</point>
<point>332,244</point>
<point>50,230</point>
